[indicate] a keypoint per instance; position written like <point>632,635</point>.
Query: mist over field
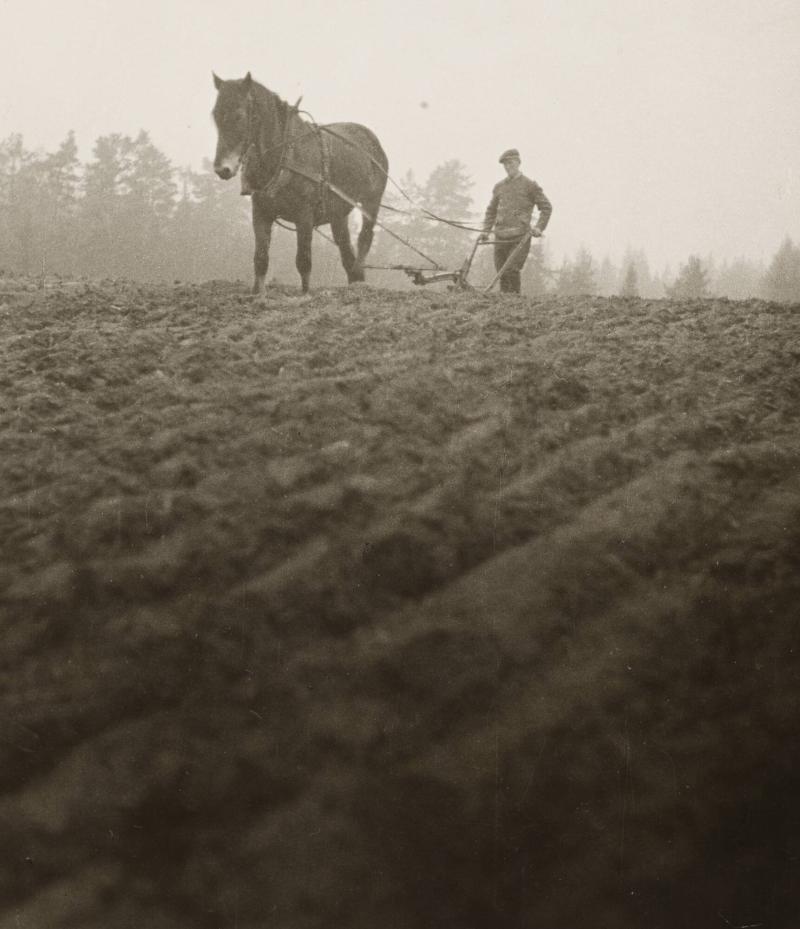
<point>674,133</point>
<point>129,212</point>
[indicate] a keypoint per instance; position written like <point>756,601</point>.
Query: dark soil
<point>401,610</point>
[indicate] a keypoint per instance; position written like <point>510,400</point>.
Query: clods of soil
<point>396,609</point>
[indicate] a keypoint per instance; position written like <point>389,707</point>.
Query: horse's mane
<point>263,95</point>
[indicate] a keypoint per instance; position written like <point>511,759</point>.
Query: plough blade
<point>459,278</point>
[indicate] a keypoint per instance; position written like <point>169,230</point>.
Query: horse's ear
<point>217,80</point>
<point>248,81</point>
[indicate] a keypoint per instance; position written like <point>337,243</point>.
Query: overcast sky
<point>670,126</point>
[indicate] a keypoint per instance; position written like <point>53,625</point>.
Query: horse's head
<point>232,116</point>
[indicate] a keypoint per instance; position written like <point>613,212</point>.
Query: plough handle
<point>510,258</point>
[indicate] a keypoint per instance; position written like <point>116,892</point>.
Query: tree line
<point>129,212</point>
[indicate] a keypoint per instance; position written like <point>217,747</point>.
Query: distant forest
<point>129,212</point>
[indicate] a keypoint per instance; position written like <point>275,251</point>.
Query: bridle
<point>252,147</point>
<point>281,176</point>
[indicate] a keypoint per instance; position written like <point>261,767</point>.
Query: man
<point>509,213</point>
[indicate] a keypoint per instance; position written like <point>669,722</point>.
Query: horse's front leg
<point>305,232</point>
<point>262,227</point>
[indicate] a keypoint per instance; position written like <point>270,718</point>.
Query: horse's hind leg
<point>341,236</point>
<point>369,213</point>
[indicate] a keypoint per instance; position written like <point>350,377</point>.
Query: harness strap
<point>321,180</point>
<point>325,161</point>
<point>250,148</point>
<point>253,150</point>
<point>317,179</point>
<point>325,153</point>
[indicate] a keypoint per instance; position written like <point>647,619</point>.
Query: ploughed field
<point>397,610</point>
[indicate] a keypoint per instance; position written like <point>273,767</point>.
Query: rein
<point>320,132</point>
<point>322,180</point>
<point>253,148</point>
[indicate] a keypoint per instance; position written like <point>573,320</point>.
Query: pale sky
<point>670,126</point>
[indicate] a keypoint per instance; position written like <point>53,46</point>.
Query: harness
<point>275,184</point>
<point>322,181</point>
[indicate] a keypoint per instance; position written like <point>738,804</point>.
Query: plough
<point>422,276</point>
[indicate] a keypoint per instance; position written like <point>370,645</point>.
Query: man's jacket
<point>511,207</point>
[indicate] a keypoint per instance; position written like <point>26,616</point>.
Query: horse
<point>298,171</point>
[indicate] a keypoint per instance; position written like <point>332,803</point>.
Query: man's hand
<point>484,237</point>
<point>536,232</point>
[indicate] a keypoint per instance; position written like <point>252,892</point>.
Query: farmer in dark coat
<point>509,214</point>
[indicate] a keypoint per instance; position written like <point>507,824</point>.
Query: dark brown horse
<point>295,170</point>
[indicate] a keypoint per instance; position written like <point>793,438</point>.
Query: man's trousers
<point>510,282</point>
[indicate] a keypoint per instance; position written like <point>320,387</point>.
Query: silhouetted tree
<point>445,194</point>
<point>60,178</point>
<point>537,277</point>
<point>402,217</point>
<point>577,277</point>
<point>101,212</point>
<point>129,199</point>
<point>151,179</point>
<point>607,278</point>
<point>691,283</point>
<point>19,200</point>
<point>211,233</point>
<point>739,279</point>
<point>649,285</point>
<point>147,200</point>
<point>630,284</point>
<point>782,280</point>
<point>128,212</point>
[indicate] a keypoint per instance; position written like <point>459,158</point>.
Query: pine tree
<point>536,275</point>
<point>445,194</point>
<point>691,283</point>
<point>151,180</point>
<point>630,285</point>
<point>607,278</point>
<point>148,204</point>
<point>648,284</point>
<point>577,278</point>
<point>63,170</point>
<point>129,198</point>
<point>105,183</point>
<point>61,178</point>
<point>210,230</point>
<point>782,280</point>
<point>19,199</point>
<point>739,280</point>
<point>402,217</point>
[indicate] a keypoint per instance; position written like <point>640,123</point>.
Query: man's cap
<point>509,153</point>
